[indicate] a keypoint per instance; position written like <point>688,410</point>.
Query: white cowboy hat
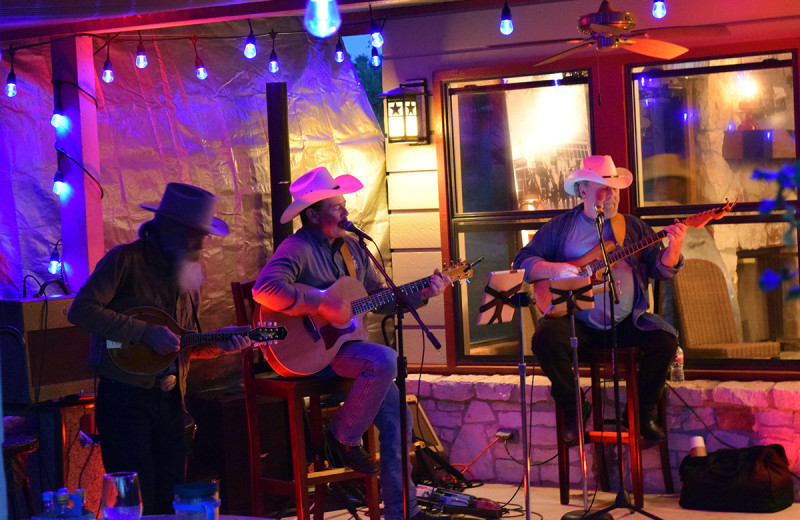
<point>599,169</point>
<point>316,185</point>
<point>190,206</point>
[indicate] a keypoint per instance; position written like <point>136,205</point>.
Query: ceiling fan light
<point>659,9</point>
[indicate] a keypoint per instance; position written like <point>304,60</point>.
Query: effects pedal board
<point>455,503</point>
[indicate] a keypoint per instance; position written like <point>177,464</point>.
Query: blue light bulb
<point>506,25</point>
<point>322,18</point>
<point>202,73</point>
<point>273,62</point>
<point>338,54</point>
<point>141,56</point>
<point>108,72</point>
<point>11,84</point>
<point>250,46</point>
<point>377,38</point>
<point>375,59</point>
<point>58,120</point>
<point>659,9</point>
<point>58,182</point>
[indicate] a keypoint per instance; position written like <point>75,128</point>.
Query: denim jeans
<point>375,398</point>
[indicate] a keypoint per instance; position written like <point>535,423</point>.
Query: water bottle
<point>676,368</point>
<point>48,511</point>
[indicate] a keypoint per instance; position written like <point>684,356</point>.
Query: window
<point>512,142</point>
<point>700,130</point>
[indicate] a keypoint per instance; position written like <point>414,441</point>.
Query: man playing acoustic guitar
<point>294,282</point>
<point>568,242</point>
<point>139,414</point>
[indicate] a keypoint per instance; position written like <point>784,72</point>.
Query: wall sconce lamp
<point>406,109</point>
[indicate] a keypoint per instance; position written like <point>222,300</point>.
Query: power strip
<point>455,503</point>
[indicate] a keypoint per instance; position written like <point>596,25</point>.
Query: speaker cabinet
<point>49,361</point>
<point>63,459</point>
<point>221,446</point>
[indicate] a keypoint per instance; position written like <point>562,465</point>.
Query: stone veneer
<point>467,410</point>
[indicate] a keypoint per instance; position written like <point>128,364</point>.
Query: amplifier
<point>49,359</point>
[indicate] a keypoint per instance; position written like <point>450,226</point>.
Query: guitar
<point>312,342</point>
<point>140,359</point>
<point>591,264</point>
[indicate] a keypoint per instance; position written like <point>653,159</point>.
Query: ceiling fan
<point>611,29</point>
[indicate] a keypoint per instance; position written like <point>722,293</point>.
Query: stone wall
<point>467,410</point>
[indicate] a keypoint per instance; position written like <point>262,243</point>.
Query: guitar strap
<point>348,260</point>
<point>618,227</point>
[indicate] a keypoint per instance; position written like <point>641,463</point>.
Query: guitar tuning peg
<point>469,280</point>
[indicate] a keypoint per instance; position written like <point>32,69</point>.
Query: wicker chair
<point>707,325</point>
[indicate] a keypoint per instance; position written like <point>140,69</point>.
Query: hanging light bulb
<point>374,31</point>
<point>202,73</point>
<point>506,25</point>
<point>58,120</point>
<point>273,57</point>
<point>108,71</point>
<point>11,79</point>
<point>55,260</point>
<point>659,8</point>
<point>338,54</point>
<point>58,179</point>
<point>375,59</point>
<point>322,17</point>
<point>141,55</point>
<point>250,44</point>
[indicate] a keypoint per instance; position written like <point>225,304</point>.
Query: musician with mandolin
<point>568,246</point>
<point>140,304</point>
<point>321,282</point>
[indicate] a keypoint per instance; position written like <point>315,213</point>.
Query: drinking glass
<point>122,498</point>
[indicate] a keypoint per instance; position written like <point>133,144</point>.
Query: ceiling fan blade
<point>685,31</point>
<point>607,30</point>
<point>567,52</point>
<point>654,48</point>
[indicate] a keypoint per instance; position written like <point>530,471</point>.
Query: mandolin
<point>140,359</point>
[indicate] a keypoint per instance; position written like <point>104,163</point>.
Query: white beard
<point>189,275</point>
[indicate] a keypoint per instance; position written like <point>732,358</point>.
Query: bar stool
<point>604,431</point>
<point>17,445</point>
<point>294,392</point>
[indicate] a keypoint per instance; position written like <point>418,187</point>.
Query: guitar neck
<point>623,252</point>
<point>199,338</point>
<point>373,301</point>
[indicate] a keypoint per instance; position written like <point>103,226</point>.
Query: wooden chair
<point>261,382</point>
<point>707,323</point>
<point>243,302</point>
<point>604,431</point>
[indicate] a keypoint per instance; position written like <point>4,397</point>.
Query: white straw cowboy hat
<point>316,185</point>
<point>599,169</point>
<point>191,206</point>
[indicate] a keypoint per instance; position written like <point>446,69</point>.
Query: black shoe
<point>649,429</point>
<point>569,435</point>
<point>354,457</point>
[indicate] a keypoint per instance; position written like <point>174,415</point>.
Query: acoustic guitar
<point>312,342</point>
<point>140,359</point>
<point>591,264</point>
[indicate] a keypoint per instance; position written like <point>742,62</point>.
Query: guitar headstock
<point>460,270</point>
<point>267,332</point>
<point>701,219</point>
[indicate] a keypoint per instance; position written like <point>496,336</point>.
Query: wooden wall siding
<point>414,230</point>
<point>413,190</point>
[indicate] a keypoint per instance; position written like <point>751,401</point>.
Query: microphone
<point>349,226</point>
<point>599,209</point>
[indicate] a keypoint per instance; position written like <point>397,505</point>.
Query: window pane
<point>514,141</point>
<point>702,128</point>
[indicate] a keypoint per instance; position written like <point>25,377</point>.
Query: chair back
<point>703,305</point>
<point>243,302</point>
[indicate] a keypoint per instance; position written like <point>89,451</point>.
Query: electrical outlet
<point>507,434</point>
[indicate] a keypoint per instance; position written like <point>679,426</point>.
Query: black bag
<point>746,480</point>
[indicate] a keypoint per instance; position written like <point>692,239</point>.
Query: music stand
<point>501,297</point>
<point>568,295</point>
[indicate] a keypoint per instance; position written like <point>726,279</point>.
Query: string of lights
<point>59,176</point>
<point>249,49</point>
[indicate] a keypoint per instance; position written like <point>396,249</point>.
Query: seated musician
<point>570,241</point>
<point>293,283</point>
<point>140,417</point>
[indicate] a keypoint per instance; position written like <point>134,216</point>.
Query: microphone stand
<point>621,501</point>
<point>402,366</point>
